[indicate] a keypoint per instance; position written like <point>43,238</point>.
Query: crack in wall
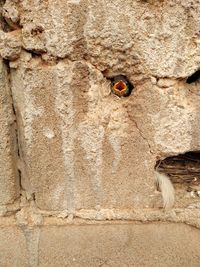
<point>143,137</point>
<point>14,120</point>
<point>16,148</point>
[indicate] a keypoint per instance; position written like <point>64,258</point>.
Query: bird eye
<point>121,86</point>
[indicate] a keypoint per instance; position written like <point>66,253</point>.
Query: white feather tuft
<point>167,190</point>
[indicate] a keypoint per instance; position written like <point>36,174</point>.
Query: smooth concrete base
<point>158,244</point>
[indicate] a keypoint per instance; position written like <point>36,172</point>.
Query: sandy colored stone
<point>77,139</point>
<point>167,116</point>
<point>84,148</point>
<point>10,13</point>
<point>130,37</point>
<point>158,244</point>
<point>120,245</point>
<point>83,152</point>
<point>9,184</point>
<point>10,44</point>
<point>13,250</point>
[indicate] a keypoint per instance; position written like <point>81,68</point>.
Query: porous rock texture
<point>72,152</point>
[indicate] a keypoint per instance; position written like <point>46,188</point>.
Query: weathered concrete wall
<point>72,150</point>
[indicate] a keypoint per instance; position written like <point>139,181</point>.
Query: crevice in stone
<point>6,62</point>
<point>194,77</point>
<point>183,169</point>
<point>8,25</point>
<point>33,196</point>
<point>142,135</point>
<point>4,25</point>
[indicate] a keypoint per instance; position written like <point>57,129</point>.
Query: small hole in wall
<point>182,169</point>
<point>121,86</point>
<point>37,30</point>
<point>194,77</point>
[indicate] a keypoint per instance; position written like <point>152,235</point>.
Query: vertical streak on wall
<point>64,108</point>
<point>115,143</point>
<point>91,140</point>
<point>32,236</point>
<point>92,136</point>
<point>30,112</point>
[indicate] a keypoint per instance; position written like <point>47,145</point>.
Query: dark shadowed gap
<point>194,77</point>
<point>183,168</point>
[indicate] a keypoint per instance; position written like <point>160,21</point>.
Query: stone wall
<point>77,162</point>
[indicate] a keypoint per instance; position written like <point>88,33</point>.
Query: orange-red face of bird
<point>120,86</point>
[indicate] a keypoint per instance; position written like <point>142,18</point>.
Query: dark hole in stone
<point>194,77</point>
<point>182,169</point>
<point>37,30</point>
<point>121,86</point>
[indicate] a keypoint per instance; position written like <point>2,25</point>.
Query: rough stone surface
<point>102,149</point>
<point>9,184</point>
<point>83,152</point>
<point>143,37</point>
<point>10,13</point>
<point>80,146</point>
<point>77,139</point>
<point>10,44</point>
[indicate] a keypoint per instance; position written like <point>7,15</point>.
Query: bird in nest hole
<point>120,86</point>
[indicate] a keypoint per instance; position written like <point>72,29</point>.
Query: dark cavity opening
<point>182,169</point>
<point>194,77</point>
<point>121,86</point>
